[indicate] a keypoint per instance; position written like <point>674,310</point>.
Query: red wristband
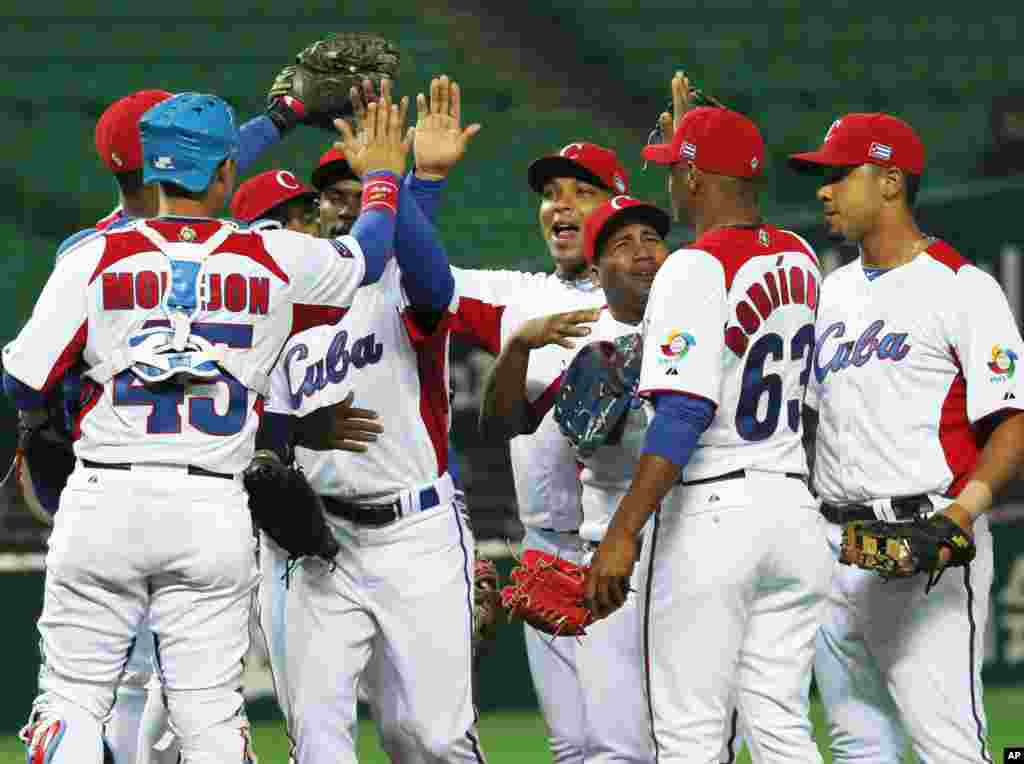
<point>380,193</point>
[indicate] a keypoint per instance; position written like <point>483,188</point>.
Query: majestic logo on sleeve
<point>891,346</point>
<point>1003,363</point>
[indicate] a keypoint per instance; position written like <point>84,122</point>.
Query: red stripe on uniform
<point>94,397</point>
<point>250,245</point>
<point>307,316</point>
<point>959,444</point>
<point>68,356</point>
<point>543,404</point>
<point>478,323</point>
<point>431,357</point>
<point>118,246</point>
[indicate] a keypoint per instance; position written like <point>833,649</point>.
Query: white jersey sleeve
<point>684,328</point>
<point>988,345</point>
<point>306,376</point>
<point>55,335</point>
<point>322,271</point>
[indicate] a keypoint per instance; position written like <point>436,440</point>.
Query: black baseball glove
<point>901,550</point>
<point>285,506</point>
<point>324,72</point>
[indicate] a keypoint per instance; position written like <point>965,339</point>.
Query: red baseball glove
<point>547,593</point>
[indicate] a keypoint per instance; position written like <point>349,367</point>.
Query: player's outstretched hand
<point>607,584</point>
<point>440,140</point>
<point>341,427</point>
<point>381,141</point>
<point>684,97</point>
<point>555,329</point>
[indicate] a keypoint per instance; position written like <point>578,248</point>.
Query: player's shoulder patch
<point>943,253</point>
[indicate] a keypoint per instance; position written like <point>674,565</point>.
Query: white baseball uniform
<point>616,722</point>
<point>397,607</point>
<point>736,566</point>
<point>546,477</point>
<point>167,527</point>
<point>906,367</point>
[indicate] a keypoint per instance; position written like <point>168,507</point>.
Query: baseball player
<point>119,147</point>
<point>399,601</point>
<point>340,193</point>
<point>624,243</point>
<point>571,184</point>
<point>149,308</point>
<point>735,565</point>
<point>918,412</point>
<point>277,199</point>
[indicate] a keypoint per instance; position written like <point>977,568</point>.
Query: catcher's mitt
<point>487,612</point>
<point>901,550</point>
<point>597,391</point>
<point>325,71</point>
<point>547,593</point>
<point>284,504</point>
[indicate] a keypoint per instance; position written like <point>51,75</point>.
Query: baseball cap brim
<point>659,153</point>
<point>546,168</point>
<point>815,161</point>
<point>339,169</point>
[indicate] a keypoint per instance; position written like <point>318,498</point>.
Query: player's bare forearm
<point>1000,462</point>
<point>654,478</point>
<point>504,412</point>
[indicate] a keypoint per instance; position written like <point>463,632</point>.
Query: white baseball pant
<point>893,662</point>
<point>735,578</point>
<point>402,595</point>
<point>157,539</point>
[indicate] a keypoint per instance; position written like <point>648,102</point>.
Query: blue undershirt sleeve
<point>679,421</point>
<point>427,194</point>
<point>23,397</point>
<point>375,232</point>
<point>426,275</point>
<point>255,136</point>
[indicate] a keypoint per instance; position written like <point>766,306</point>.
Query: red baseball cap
<point>721,141</point>
<point>617,211</point>
<point>117,132</point>
<point>857,139</point>
<point>332,163</point>
<point>263,192</point>
<point>585,161</point>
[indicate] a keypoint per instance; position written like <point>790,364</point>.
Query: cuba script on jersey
<point>872,343</point>
<point>330,369</point>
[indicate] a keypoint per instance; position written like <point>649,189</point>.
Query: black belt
<point>197,471</point>
<point>735,475</point>
<point>376,515</point>
<point>903,508</point>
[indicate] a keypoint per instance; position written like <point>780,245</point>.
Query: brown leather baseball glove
<point>324,72</point>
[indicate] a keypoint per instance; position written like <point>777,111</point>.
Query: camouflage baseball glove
<point>324,72</point>
<point>547,593</point>
<point>901,550</point>
<point>487,612</point>
<point>285,506</point>
<point>596,392</point>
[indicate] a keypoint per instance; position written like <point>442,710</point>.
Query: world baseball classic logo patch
<point>1003,364</point>
<point>674,349</point>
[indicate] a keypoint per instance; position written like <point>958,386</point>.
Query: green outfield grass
<point>515,737</point>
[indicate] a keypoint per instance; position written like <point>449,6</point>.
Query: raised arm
<point>506,409</point>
